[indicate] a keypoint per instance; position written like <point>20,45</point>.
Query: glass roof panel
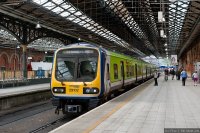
<point>46,44</point>
<point>40,2</point>
<point>49,5</point>
<point>58,10</point>
<point>71,18</point>
<point>65,14</point>
<point>78,13</point>
<point>65,5</point>
<point>71,10</point>
<point>76,20</point>
<point>58,1</point>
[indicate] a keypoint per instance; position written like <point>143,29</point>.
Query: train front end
<point>75,82</point>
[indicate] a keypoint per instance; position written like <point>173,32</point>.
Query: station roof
<point>128,26</point>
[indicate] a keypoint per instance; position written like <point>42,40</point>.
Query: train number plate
<point>74,90</point>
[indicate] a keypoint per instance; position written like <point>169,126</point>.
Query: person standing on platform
<point>195,78</point>
<point>183,76</point>
<point>156,77</point>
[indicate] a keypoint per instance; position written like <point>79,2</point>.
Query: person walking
<point>172,73</point>
<point>195,78</point>
<point>156,77</point>
<point>166,74</point>
<point>183,76</point>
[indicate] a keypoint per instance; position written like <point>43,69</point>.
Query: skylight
<point>177,11</point>
<point>46,44</point>
<point>124,14</point>
<point>69,12</point>
<point>4,34</point>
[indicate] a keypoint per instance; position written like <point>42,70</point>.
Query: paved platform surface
<point>147,109</point>
<point>4,92</point>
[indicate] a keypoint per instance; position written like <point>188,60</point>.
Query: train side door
<point>122,72</point>
<point>107,75</point>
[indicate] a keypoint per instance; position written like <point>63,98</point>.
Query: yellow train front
<point>76,78</point>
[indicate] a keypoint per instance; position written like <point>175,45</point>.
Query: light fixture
<point>163,19</point>
<point>166,49</point>
<point>18,46</point>
<point>165,44</point>
<point>160,16</point>
<point>45,52</point>
<point>79,39</point>
<point>164,36</point>
<point>38,26</point>
<point>161,33</point>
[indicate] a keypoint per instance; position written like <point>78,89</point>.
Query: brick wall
<point>10,59</point>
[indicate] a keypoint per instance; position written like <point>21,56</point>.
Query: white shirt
<point>156,75</point>
<point>194,75</point>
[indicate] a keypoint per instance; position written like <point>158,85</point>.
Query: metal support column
<point>24,61</point>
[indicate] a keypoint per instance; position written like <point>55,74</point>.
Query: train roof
<point>112,53</point>
<point>81,44</point>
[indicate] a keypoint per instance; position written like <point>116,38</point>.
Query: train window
<point>133,70</point>
<point>139,69</point>
<point>115,71</point>
<point>130,71</point>
<point>127,70</point>
<point>108,72</point>
<point>65,68</point>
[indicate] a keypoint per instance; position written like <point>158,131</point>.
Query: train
<point>85,75</point>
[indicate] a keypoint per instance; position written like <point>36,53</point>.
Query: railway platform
<point>17,96</point>
<point>144,109</point>
<point>11,91</point>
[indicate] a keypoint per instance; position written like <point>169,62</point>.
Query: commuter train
<point>84,75</point>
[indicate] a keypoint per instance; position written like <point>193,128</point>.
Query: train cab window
<point>87,68</point>
<point>65,69</point>
<point>77,64</point>
<point>115,71</point>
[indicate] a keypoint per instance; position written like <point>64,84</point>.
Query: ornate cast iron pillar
<point>24,60</point>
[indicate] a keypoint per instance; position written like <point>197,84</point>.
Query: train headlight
<point>87,90</point>
<point>59,89</point>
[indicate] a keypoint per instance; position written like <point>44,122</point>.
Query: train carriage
<point>84,75</point>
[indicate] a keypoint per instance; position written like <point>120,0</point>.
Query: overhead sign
<point>173,60</point>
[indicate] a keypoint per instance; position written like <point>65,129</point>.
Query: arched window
<point>4,61</point>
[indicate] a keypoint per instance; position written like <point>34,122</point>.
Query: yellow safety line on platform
<point>103,118</point>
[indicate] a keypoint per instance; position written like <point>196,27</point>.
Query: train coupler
<point>73,108</point>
